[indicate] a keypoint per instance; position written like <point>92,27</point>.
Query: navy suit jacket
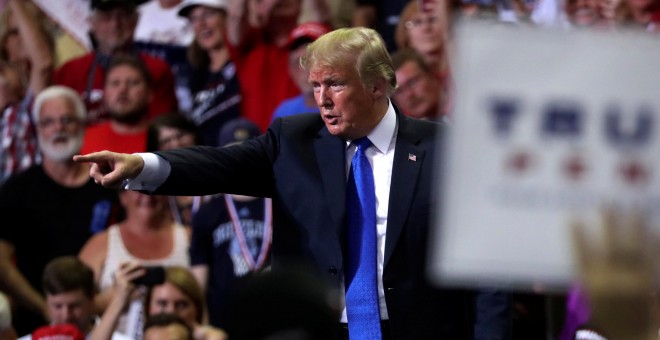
<point>303,168</point>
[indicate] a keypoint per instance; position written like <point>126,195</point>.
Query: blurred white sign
<point>548,128</point>
<point>71,15</point>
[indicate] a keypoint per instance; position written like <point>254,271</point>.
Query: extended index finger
<point>93,157</point>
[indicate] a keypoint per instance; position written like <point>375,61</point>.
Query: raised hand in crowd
<point>124,290</point>
<point>617,268</point>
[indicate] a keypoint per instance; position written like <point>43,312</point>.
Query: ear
<point>378,89</point>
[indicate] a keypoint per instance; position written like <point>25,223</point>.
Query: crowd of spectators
<point>164,74</point>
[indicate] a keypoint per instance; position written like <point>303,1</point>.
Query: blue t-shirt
<point>294,106</point>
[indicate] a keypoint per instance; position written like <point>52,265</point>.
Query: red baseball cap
<point>306,32</point>
<point>60,332</point>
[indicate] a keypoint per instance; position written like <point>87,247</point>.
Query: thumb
<point>112,179</point>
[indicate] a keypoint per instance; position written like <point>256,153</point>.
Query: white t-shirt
<point>160,25</point>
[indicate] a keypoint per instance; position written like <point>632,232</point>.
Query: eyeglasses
<point>410,85</point>
<point>177,137</point>
<point>65,121</point>
<point>420,21</point>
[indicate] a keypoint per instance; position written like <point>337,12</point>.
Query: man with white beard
<point>51,209</point>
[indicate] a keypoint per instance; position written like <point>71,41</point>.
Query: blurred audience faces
<point>418,91</point>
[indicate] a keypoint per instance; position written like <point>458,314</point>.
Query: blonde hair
<point>184,280</point>
<point>358,47</point>
<point>45,26</point>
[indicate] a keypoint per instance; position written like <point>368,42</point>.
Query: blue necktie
<point>361,276</point>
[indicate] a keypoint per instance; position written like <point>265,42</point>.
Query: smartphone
<point>154,275</point>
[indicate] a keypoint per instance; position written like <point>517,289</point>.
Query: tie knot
<point>362,143</point>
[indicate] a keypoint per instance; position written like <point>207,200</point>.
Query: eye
<point>181,305</point>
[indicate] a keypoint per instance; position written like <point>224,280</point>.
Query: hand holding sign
<point>618,268</point>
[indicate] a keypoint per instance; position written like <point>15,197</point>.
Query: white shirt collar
<point>381,136</point>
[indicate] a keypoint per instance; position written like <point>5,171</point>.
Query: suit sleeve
<point>244,169</point>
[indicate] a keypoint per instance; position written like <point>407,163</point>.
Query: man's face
<point>71,307</point>
<point>167,298</point>
<point>113,28</point>
<point>59,129</point>
<point>418,94</point>
<point>126,94</point>
<point>347,105</point>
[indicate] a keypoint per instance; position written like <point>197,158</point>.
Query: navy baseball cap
<point>237,131</point>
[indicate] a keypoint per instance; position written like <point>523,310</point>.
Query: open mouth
<point>60,140</point>
<point>330,119</point>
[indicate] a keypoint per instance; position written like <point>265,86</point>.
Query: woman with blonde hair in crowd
<point>214,82</point>
<point>26,64</point>
<point>147,236</point>
<point>178,294</point>
<point>22,31</point>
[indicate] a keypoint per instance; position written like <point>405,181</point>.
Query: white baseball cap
<point>187,5</point>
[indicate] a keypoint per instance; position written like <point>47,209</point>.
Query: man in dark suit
<point>303,163</point>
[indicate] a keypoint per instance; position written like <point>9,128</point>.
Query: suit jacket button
<point>332,270</point>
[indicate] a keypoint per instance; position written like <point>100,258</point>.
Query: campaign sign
<point>71,15</point>
<point>549,127</point>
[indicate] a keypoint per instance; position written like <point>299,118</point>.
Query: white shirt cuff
<point>155,172</point>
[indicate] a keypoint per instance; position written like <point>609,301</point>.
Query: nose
<point>122,87</point>
<point>169,308</point>
<point>323,98</point>
<point>67,315</point>
<point>197,24</point>
<point>61,124</point>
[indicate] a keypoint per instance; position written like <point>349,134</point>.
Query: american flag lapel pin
<point>412,158</point>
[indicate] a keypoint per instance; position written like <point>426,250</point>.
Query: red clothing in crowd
<point>76,74</point>
<point>101,137</point>
<point>263,74</point>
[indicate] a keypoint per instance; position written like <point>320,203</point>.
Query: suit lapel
<point>331,160</point>
<point>408,159</point>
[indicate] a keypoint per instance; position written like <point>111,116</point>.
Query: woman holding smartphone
<point>147,236</point>
<point>178,294</point>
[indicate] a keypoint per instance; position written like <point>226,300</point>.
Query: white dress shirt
<point>381,158</point>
